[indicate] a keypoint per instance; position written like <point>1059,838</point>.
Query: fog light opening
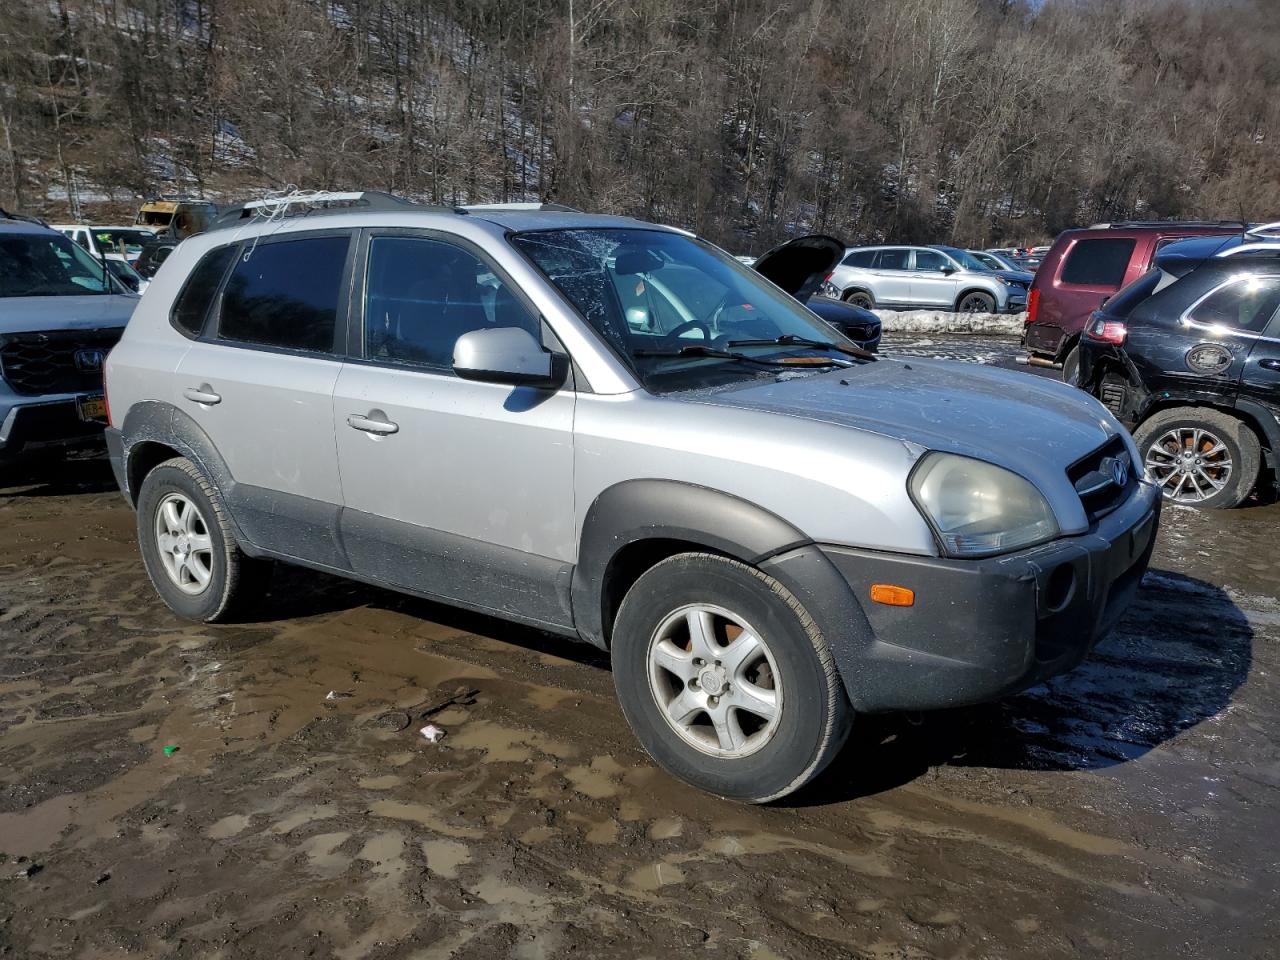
<point>1060,587</point>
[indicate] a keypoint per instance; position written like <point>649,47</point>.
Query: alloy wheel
<point>715,681</point>
<point>184,544</point>
<point>1191,464</point>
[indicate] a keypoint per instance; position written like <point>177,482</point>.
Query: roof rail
<point>1272,248</point>
<point>1263,229</point>
<point>6,215</point>
<point>309,203</point>
<point>543,207</point>
<point>1125,224</point>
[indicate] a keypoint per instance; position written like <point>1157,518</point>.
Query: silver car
<point>936,277</point>
<point>613,431</point>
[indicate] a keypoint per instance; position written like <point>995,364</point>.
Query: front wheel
<point>977,303</point>
<point>1200,457</point>
<point>726,680</point>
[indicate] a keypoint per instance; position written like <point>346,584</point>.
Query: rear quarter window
<point>860,258</point>
<point>192,306</point>
<point>1098,263</point>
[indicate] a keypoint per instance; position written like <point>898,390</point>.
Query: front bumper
<point>41,422</point>
<point>979,629</point>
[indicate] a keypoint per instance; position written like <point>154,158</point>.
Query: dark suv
<point>1086,266</point>
<point>1188,357</point>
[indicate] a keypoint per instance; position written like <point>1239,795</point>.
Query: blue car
<point>61,311</point>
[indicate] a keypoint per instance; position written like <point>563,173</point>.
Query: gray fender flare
<point>154,421</point>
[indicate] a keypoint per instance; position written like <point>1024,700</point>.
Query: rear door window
<point>192,306</point>
<point>893,260</point>
<point>1243,304</point>
<point>1098,263</point>
<point>286,294</point>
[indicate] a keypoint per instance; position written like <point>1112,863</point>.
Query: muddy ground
<point>1129,809</point>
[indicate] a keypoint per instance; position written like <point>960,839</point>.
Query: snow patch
<point>938,321</point>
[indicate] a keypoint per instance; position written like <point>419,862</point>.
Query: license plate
<point>92,409</point>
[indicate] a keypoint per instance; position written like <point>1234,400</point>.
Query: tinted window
<point>1122,304</point>
<point>285,294</point>
<point>860,258</point>
<point>192,306</point>
<point>1098,263</point>
<point>1244,304</point>
<point>892,260</point>
<point>930,260</point>
<point>422,295</point>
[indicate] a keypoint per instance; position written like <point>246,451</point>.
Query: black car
<point>800,267</point>
<point>1188,357</point>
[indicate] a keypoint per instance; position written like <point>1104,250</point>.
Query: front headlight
<point>1008,283</point>
<point>978,509</point>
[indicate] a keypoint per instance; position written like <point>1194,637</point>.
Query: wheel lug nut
<point>693,684</point>
<point>713,700</point>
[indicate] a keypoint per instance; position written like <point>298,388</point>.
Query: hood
<point>30,314</point>
<point>842,314</point>
<point>1033,426</point>
<point>799,266</point>
<point>1018,276</point>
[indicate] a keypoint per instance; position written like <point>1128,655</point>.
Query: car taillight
<point>106,400</point>
<point>827,278</point>
<point>1107,331</point>
<point>1033,305</point>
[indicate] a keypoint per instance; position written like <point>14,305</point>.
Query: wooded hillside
<point>975,121</point>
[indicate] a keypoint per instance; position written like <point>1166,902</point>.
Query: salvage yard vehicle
<point>126,241</point>
<point>1188,356</point>
<point>802,267</point>
<point>768,528</point>
<point>1083,268</point>
<point>60,312</point>
<point>940,277</point>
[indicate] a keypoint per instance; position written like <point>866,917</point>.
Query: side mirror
<point>507,355</point>
<point>947,269</point>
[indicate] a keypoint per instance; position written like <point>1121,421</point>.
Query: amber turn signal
<point>887,593</point>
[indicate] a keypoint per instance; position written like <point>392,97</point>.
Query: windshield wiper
<point>698,350</point>
<point>791,340</point>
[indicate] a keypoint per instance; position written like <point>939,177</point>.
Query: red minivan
<point>1084,268</point>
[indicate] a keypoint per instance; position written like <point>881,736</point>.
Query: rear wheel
<point>726,680</point>
<point>1200,457</point>
<point>860,299</point>
<point>189,549</point>
<point>977,302</point>
<point>1071,368</point>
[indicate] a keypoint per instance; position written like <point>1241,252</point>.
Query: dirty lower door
<point>452,488</point>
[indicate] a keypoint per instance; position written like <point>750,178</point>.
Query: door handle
<point>1269,364</point>
<point>202,394</point>
<point>380,426</point>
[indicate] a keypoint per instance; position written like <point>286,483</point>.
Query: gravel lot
<point>1125,810</point>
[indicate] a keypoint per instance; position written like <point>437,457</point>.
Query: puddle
<point>444,857</point>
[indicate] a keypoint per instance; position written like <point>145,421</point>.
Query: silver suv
<point>946,278</point>
<point>614,431</point>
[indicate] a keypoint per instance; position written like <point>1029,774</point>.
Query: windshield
<point>965,259</point>
<point>653,292</point>
<point>48,265</point>
<point>130,277</point>
<point>128,242</point>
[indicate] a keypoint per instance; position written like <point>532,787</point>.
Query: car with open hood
<point>613,431</point>
<point>802,268</point>
<point>61,310</point>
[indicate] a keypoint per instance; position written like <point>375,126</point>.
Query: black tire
<point>814,717</point>
<point>861,299</point>
<point>976,302</point>
<point>1071,368</point>
<point>235,579</point>
<point>1241,447</point>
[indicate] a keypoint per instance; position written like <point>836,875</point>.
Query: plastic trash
<point>433,733</point>
<point>339,695</point>
<point>170,750</point>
